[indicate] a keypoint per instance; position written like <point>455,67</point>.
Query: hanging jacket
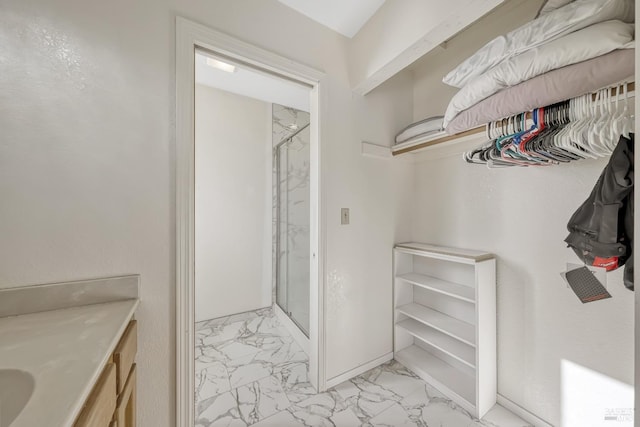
<point>601,230</point>
<point>628,225</point>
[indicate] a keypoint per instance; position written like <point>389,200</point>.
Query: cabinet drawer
<point>125,354</point>
<point>98,410</point>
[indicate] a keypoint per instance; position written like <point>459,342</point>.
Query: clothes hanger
<point>545,143</point>
<point>561,148</point>
<point>563,139</point>
<point>603,124</point>
<point>629,122</point>
<point>587,126</point>
<point>519,147</point>
<point>583,134</point>
<point>554,143</point>
<point>599,140</point>
<point>617,118</point>
<point>582,128</point>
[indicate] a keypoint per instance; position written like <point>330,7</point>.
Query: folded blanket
<point>587,43</point>
<point>421,128</point>
<point>551,5</point>
<point>560,22</point>
<point>549,88</point>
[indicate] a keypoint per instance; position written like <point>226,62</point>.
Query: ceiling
<point>344,16</point>
<point>253,84</point>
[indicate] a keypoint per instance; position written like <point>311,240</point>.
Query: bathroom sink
<point>16,388</point>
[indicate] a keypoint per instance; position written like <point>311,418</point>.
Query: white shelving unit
<point>445,321</point>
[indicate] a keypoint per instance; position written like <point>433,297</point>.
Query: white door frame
<point>190,35</point>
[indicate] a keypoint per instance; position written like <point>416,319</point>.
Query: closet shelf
<point>464,256</point>
<point>440,374</point>
<point>454,290</point>
<point>444,138</point>
<point>445,332</point>
<point>435,139</point>
<point>458,350</point>
<point>462,331</point>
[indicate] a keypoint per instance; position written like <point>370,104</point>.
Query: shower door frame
<point>190,36</point>
<point>276,162</point>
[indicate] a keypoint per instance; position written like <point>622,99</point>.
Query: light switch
<point>344,216</point>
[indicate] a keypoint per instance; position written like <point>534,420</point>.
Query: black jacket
<point>601,230</point>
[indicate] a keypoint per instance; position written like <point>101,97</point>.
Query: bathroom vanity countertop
<point>65,351</point>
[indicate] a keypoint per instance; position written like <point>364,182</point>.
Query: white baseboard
<point>522,413</point>
<point>358,370</point>
<point>293,329</point>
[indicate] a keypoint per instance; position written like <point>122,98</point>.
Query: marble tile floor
<point>250,372</point>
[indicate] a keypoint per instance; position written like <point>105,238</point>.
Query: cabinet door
<point>98,410</point>
<point>125,354</point>
<point>126,411</point>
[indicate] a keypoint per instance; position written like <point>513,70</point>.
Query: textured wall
<point>87,158</point>
<point>521,216</point>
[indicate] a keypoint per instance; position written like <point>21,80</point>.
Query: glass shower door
<point>293,226</point>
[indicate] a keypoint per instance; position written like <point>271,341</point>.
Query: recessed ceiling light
<point>214,63</point>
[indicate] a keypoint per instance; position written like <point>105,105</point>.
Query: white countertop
<point>65,351</point>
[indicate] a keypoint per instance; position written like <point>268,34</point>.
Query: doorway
<point>295,234</point>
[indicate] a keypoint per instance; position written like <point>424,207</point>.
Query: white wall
<point>231,134</point>
<point>521,216</point>
<point>359,256</point>
<point>87,160</point>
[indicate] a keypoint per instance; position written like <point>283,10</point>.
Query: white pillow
<point>551,5</point>
<point>582,45</point>
<point>560,22</point>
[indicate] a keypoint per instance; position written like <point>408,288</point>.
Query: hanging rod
<point>442,137</point>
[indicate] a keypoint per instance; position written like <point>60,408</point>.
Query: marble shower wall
<point>293,211</point>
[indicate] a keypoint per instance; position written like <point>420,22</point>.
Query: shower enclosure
<point>292,220</point>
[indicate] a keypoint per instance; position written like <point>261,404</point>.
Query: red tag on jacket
<point>608,263</point>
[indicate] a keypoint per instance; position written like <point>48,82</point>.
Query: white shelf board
<point>449,380</point>
<point>436,140</point>
<point>464,256</point>
<point>454,290</point>
<point>448,325</point>
<point>420,139</point>
<point>451,346</point>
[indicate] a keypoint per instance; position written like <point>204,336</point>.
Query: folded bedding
<point>551,5</point>
<point>579,46</point>
<point>419,129</point>
<point>549,88</point>
<point>555,24</point>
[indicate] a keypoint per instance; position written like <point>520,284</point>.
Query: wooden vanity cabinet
<point>99,408</point>
<point>125,414</point>
<point>112,402</point>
